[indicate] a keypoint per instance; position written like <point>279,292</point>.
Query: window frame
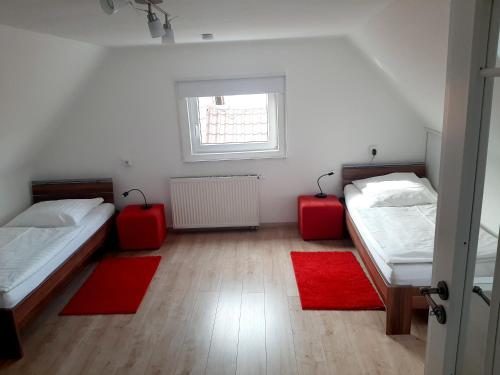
<point>194,151</point>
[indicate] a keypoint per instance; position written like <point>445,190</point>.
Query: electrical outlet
<point>373,150</point>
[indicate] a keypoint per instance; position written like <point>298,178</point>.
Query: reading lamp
<point>321,194</point>
<point>145,206</point>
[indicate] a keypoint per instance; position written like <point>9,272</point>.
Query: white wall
<point>490,215</point>
<point>338,103</point>
<point>39,77</point>
<point>15,192</point>
<point>408,41</point>
<point>433,156</point>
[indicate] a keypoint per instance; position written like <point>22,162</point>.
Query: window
<point>232,119</point>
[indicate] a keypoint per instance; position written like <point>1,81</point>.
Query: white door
<point>468,216</point>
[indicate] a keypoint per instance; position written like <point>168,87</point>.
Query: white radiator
<point>215,202</point>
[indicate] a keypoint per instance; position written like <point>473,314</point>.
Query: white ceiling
<point>408,41</point>
<point>228,20</point>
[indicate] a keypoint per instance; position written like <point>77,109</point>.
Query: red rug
<point>117,286</point>
<point>333,281</point>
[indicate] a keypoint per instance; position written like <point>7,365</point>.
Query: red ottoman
<point>140,229</point>
<point>321,218</point>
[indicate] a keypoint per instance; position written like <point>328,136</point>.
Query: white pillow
<point>395,189</point>
<point>60,213</point>
<point>428,185</point>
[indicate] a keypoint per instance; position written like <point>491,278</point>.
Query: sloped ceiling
<point>408,41</point>
<point>39,77</point>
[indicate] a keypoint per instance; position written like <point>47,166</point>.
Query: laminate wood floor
<point>221,303</point>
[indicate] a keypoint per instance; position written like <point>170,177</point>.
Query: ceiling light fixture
<point>112,6</point>
<point>168,36</point>
<point>154,24</point>
<point>156,28</point>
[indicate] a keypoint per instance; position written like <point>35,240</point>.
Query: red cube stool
<point>140,229</point>
<point>321,218</point>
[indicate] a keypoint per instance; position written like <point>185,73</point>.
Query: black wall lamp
<point>321,194</point>
<point>145,206</point>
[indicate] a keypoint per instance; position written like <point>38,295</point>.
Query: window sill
<point>254,155</point>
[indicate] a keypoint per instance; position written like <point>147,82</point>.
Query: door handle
<point>479,291</point>
<point>437,310</point>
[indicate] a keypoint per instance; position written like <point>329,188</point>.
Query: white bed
<point>19,277</point>
<point>400,240</point>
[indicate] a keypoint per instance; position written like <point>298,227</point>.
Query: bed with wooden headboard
<point>399,300</point>
<point>13,319</point>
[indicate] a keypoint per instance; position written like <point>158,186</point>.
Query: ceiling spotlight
<point>155,25</point>
<point>156,28</point>
<point>112,6</point>
<point>207,36</point>
<point>168,37</point>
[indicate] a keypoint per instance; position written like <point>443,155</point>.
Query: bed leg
<point>399,311</point>
<point>10,342</point>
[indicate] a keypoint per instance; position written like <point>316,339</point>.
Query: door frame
<point>492,19</point>
<point>461,180</point>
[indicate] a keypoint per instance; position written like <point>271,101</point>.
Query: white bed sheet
<point>88,226</point>
<point>400,273</point>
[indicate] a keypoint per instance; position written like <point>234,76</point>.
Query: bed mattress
<point>404,256</point>
<point>26,274</point>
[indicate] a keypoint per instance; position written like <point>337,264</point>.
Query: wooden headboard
<point>72,189</point>
<point>352,172</point>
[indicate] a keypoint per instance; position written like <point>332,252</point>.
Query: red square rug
<point>333,281</point>
<point>117,286</point>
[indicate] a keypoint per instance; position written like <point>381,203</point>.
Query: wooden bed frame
<point>13,319</point>
<point>399,300</point>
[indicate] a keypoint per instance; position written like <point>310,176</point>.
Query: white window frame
<point>188,93</point>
